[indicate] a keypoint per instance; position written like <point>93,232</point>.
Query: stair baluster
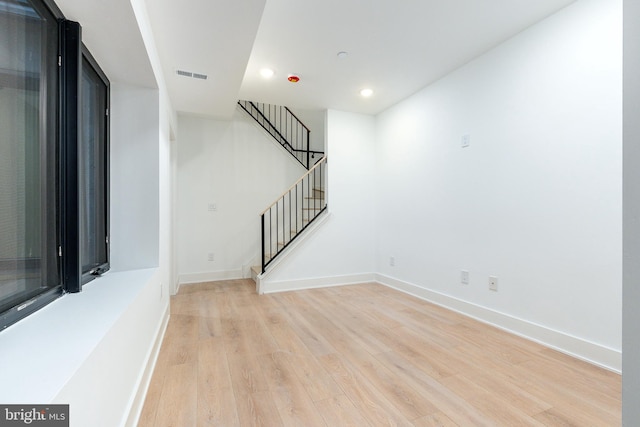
<point>298,207</point>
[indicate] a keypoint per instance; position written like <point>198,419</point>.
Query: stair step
<point>255,271</point>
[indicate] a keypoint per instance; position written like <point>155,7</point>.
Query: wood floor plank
<point>246,374</point>
<point>150,408</point>
<point>571,416</point>
<point>180,343</point>
<point>216,400</point>
<point>177,405</point>
<point>304,322</point>
<point>257,409</point>
<point>371,403</point>
<point>572,391</point>
<point>361,355</point>
<point>340,411</point>
<point>490,341</point>
<point>493,405</point>
<point>565,398</point>
<point>447,402</point>
<point>283,333</point>
<point>434,420</point>
<point>438,364</point>
<point>313,377</point>
<point>606,381</point>
<point>352,325</point>
<point>408,401</point>
<point>517,397</point>
<point>294,404</point>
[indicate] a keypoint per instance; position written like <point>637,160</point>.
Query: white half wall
<point>110,374</point>
<point>239,168</point>
<point>535,199</point>
<point>342,249</point>
<point>89,350</point>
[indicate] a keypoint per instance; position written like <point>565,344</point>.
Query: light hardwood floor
<point>361,355</point>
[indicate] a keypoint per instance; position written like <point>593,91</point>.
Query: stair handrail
<point>296,117</point>
<point>308,133</point>
<point>307,203</point>
<point>255,110</point>
<point>309,172</point>
<point>282,139</point>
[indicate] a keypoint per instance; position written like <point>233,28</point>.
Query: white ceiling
<point>210,37</point>
<point>395,47</point>
<point>121,54</point>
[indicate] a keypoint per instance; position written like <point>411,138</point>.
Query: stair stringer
<point>312,229</point>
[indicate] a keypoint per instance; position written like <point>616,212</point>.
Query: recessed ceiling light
<point>342,55</point>
<point>366,92</point>
<point>267,73</point>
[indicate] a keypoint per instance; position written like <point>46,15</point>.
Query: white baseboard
<point>210,276</point>
<point>143,385</point>
<point>596,354</point>
<point>318,282</point>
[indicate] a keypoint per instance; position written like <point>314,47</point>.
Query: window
<point>43,213</point>
<point>93,153</point>
<point>28,171</point>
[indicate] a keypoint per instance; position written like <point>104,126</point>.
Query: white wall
<point>535,199</point>
<point>95,350</point>
<point>166,178</point>
<point>78,342</point>
<point>631,222</point>
<point>342,249</point>
<point>239,168</point>
<point>168,121</point>
<point>315,121</point>
<point>134,177</point>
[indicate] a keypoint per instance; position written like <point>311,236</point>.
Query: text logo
<point>34,415</point>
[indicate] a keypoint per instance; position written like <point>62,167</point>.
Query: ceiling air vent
<point>184,73</point>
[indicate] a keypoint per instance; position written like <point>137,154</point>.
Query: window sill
<point>42,352</point>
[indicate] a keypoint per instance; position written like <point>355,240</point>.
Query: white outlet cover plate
<point>464,277</point>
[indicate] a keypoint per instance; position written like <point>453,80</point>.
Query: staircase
<point>291,213</point>
<point>285,128</point>
<point>286,218</point>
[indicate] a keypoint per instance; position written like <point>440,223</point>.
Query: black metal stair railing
<point>285,128</point>
<point>293,212</point>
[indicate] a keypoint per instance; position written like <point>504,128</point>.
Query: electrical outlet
<point>464,277</point>
<point>465,141</point>
<point>392,261</point>
<point>493,283</point>
<point>210,256</point>
<point>213,207</point>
